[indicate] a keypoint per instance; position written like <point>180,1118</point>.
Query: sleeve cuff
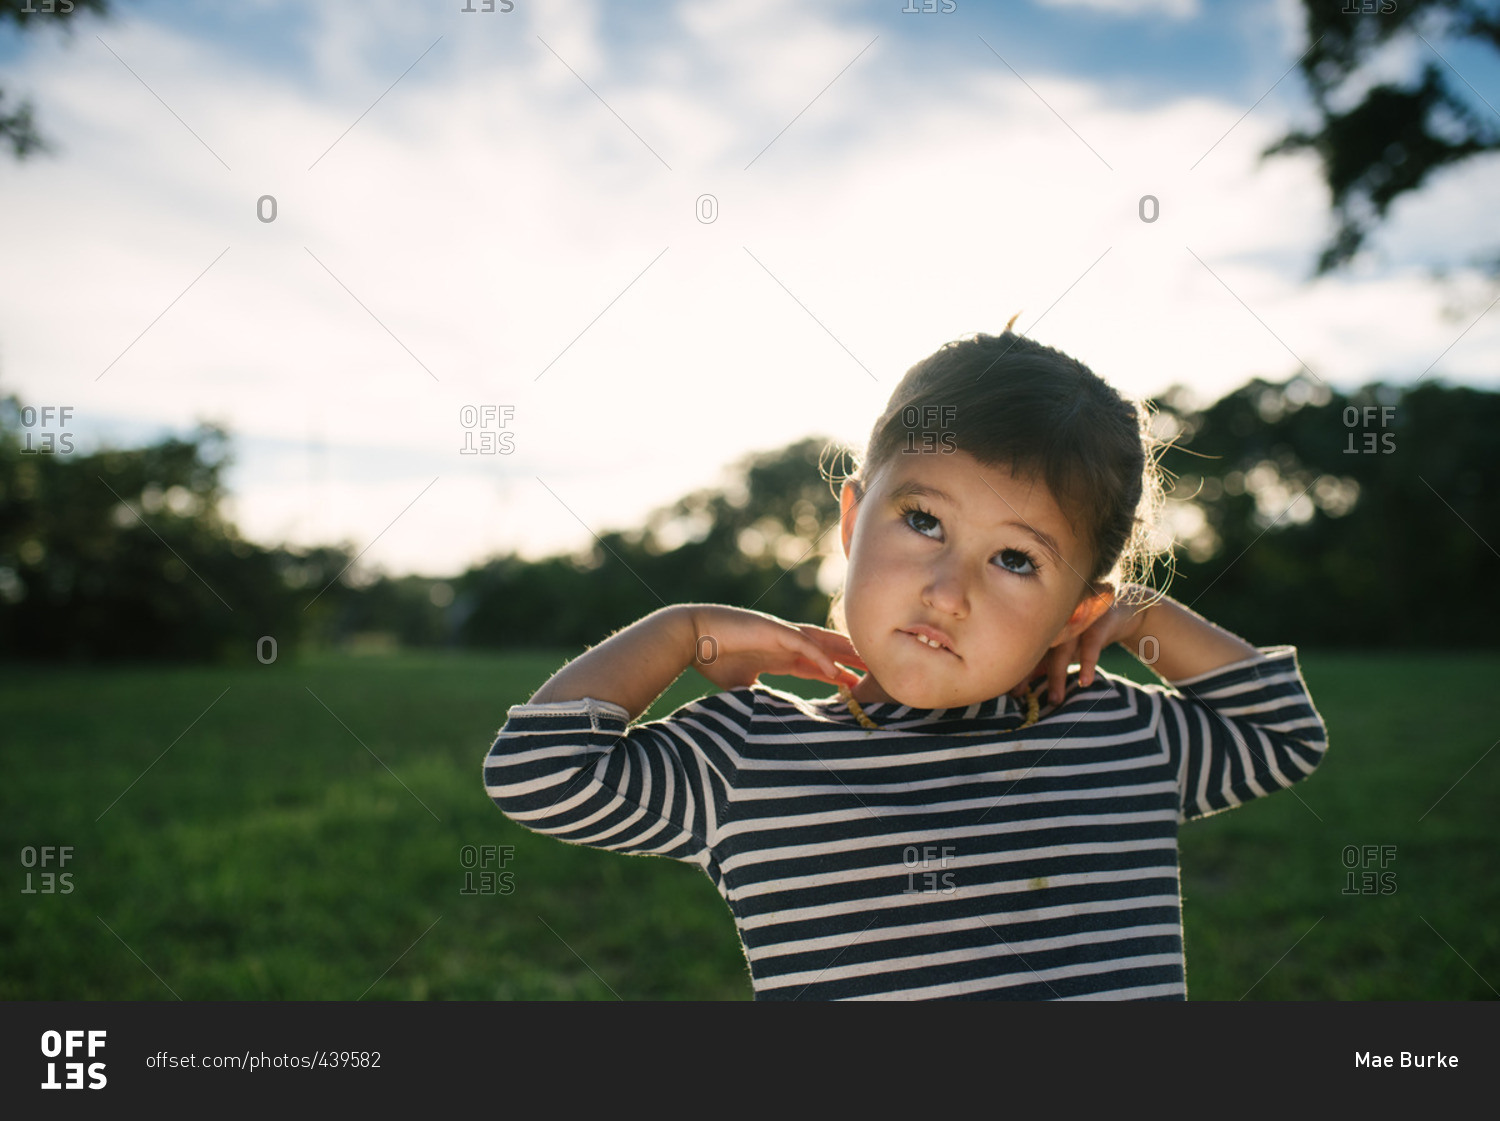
<point>599,712</point>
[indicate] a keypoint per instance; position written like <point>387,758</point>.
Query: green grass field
<point>267,854</point>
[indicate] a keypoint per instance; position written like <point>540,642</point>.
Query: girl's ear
<point>849,499</point>
<point>1089,608</point>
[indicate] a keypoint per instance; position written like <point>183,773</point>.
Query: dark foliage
<point>1396,137</point>
<point>1303,516</point>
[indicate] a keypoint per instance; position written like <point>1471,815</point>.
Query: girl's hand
<point>1119,623</point>
<point>734,646</point>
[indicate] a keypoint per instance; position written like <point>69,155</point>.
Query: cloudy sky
<point>650,238</point>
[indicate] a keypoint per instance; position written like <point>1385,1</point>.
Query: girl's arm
<point>1177,642</point>
<point>570,764</point>
<point>632,667</point>
<point>1238,721</point>
<point>728,645</point>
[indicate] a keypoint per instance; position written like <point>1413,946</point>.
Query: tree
<point>16,123</point>
<point>756,542</point>
<point>118,554</point>
<point>1396,137</point>
<point>124,554</point>
<point>1365,520</point>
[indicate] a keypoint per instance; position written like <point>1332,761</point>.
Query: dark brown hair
<point>1012,402</point>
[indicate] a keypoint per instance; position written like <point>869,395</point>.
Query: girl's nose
<point>945,589</point>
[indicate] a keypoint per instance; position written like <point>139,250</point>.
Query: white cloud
<point>1172,9</point>
<point>500,221</point>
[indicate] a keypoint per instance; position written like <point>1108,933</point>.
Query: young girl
<point>970,818</point>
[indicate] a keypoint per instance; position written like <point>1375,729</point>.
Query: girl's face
<point>982,562</point>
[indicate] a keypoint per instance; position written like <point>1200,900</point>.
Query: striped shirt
<point>948,854</point>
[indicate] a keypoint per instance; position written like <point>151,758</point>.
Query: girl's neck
<point>869,692</point>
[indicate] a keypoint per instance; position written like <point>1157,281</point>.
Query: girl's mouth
<point>929,643</point>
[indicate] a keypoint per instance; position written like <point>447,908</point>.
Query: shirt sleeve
<point>574,771</point>
<point>1241,731</point>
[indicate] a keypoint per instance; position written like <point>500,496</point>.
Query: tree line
<point>1300,514</point>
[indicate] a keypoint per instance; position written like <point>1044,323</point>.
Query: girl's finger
<point>1023,687</point>
<point>840,646</point>
<point>1088,658</point>
<point>849,658</point>
<point>841,651</point>
<point>839,677</point>
<point>814,631</point>
<point>1057,674</point>
<point>810,670</point>
<point>820,663</point>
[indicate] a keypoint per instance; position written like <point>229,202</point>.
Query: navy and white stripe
<point>949,854</point>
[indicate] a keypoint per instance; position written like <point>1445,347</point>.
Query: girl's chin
<point>911,697</point>
<point>914,694</point>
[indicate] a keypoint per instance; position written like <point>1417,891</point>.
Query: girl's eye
<point>1016,556</point>
<point>915,514</point>
<point>1018,562</point>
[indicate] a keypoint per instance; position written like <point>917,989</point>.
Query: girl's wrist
<point>687,620</point>
<point>1140,602</point>
<point>631,668</point>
